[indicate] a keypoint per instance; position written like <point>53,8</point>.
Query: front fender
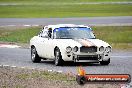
<point>63,53</point>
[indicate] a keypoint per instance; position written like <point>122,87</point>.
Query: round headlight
<point>101,49</point>
<point>108,49</point>
<point>75,49</point>
<point>68,49</point>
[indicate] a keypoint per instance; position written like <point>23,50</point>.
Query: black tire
<point>34,56</point>
<point>105,62</point>
<point>58,58</point>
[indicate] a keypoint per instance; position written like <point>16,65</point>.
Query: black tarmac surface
<point>121,62</point>
<point>92,21</point>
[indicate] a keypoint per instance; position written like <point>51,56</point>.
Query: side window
<point>44,34</point>
<point>40,33</point>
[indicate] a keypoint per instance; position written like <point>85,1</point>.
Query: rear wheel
<point>105,62</point>
<point>34,56</point>
<point>58,58</point>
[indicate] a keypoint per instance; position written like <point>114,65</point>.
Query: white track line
<point>5,65</point>
<point>35,25</point>
<point>9,46</point>
<point>13,66</point>
<point>121,56</point>
<point>25,25</point>
<point>58,71</point>
<point>75,3</point>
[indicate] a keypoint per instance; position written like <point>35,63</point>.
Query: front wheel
<point>58,58</point>
<point>105,62</point>
<point>34,56</point>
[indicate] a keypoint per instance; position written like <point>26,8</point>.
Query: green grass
<point>60,8</point>
<point>115,34</point>
<point>118,37</point>
<point>18,36</point>
<point>63,0</point>
<point>48,76</point>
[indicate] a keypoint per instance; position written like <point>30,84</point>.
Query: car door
<point>42,43</point>
<point>46,45</point>
<point>49,45</point>
<point>50,48</point>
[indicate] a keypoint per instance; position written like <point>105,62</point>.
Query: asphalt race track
<point>120,62</point>
<point>98,21</point>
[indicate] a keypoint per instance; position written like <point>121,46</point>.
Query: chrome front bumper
<point>86,58</point>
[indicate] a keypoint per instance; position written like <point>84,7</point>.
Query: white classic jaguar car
<point>69,42</point>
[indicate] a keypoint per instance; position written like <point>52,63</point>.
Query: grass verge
<point>18,36</point>
<point>11,77</point>
<point>118,37</point>
<point>39,1</point>
<point>48,76</point>
<point>33,78</point>
<point>61,9</point>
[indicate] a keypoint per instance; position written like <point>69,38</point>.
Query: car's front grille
<point>91,57</point>
<point>88,49</point>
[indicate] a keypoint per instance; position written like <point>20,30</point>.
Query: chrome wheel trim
<point>57,57</point>
<point>33,54</point>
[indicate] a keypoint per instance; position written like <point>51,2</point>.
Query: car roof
<point>65,25</point>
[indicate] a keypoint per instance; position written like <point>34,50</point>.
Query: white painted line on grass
<point>23,67</point>
<point>6,65</point>
<point>50,70</point>
<point>19,25</point>
<point>11,25</point>
<point>35,25</point>
<point>59,71</point>
<point>13,66</point>
<point>66,3</point>
<point>27,25</point>
<point>9,46</point>
<point>114,24</point>
<point>121,56</point>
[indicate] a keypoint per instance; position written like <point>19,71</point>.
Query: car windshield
<point>73,32</point>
